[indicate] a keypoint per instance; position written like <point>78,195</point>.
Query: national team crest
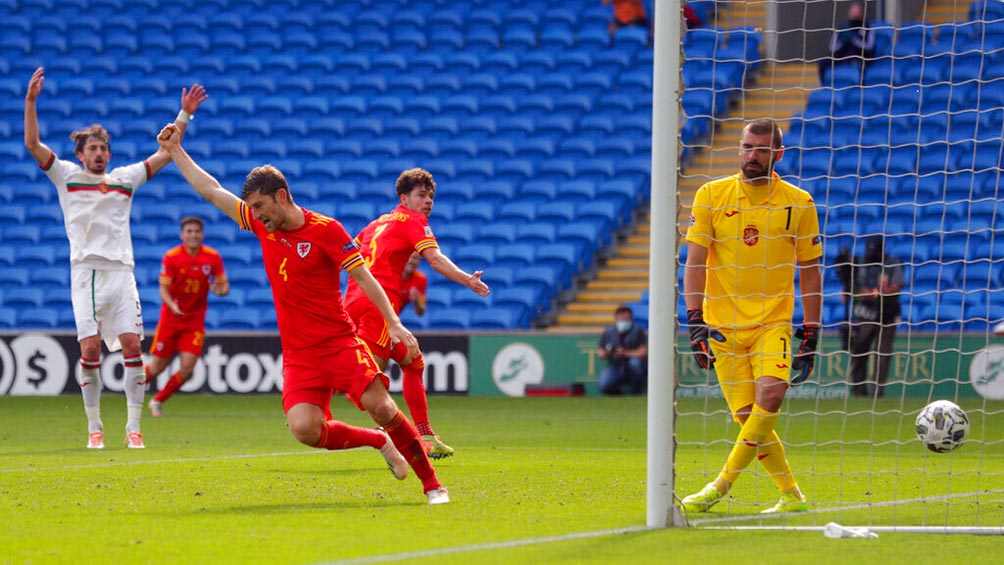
<point>302,249</point>
<point>750,235</point>
<point>206,270</point>
<point>103,187</point>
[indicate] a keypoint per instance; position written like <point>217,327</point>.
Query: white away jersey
<point>96,211</point>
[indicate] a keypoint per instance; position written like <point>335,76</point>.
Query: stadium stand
<point>535,122</point>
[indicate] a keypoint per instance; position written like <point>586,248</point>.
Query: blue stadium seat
<point>41,318</point>
<point>519,211</point>
<point>515,255</point>
<point>448,318</point>
<point>478,255</point>
<point>455,234</point>
<point>240,319</point>
<point>496,233</point>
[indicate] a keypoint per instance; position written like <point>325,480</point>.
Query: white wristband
<point>184,117</point>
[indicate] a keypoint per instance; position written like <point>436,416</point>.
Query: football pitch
<point>535,480</point>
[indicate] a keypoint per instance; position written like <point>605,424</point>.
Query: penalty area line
<point>485,546</point>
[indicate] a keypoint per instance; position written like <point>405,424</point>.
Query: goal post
<point>667,87</point>
<point>908,146</point>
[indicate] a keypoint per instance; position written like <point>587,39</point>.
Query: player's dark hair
<point>415,178</point>
<point>266,180</point>
<point>766,125</point>
<point>81,136</point>
<point>624,310</point>
<point>192,220</point>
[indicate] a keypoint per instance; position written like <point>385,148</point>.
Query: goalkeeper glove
<point>699,335</point>
<point>805,357</point>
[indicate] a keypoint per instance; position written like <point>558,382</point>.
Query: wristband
<point>184,117</point>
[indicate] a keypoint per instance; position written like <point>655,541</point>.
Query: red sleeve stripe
<point>149,171</point>
<point>48,164</point>
<point>426,244</point>
<point>244,214</point>
<point>352,261</point>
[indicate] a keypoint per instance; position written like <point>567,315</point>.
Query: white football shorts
<point>106,303</point>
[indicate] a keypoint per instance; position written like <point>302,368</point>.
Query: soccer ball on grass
<point>942,426</point>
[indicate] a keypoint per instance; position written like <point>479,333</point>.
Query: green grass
<point>223,481</point>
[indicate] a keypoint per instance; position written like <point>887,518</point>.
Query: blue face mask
<point>622,325</point>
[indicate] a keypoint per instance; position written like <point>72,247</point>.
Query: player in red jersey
<point>387,244</point>
<point>303,252</point>
<point>188,273</point>
<point>414,283</point>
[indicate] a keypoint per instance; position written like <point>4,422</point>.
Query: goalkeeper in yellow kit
<point>748,234</point>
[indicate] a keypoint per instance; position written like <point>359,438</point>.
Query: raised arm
<point>190,102</point>
<point>444,266</point>
<point>38,150</point>
<point>203,183</point>
<point>370,286</point>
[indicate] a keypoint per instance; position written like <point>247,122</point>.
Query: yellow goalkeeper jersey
<point>755,237</point>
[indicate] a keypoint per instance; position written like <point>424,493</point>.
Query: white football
<point>942,426</point>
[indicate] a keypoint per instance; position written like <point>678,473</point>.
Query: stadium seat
<point>515,255</point>
<point>448,318</point>
<point>240,319</point>
<point>41,318</point>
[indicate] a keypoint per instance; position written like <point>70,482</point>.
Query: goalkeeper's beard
<point>754,171</point>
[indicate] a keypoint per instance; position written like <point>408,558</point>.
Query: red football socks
<point>339,435</point>
<point>405,437</point>
<point>171,387</point>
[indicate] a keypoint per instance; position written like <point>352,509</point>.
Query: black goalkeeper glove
<point>699,336</point>
<point>805,357</point>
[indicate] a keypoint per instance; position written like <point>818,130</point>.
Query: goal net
<point>904,144</point>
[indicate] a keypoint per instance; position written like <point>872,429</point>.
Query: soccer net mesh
<point>908,146</point>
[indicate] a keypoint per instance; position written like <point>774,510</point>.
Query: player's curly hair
<point>415,178</point>
<point>81,136</point>
<point>766,125</point>
<point>267,180</point>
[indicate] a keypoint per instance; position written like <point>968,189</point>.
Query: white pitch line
<point>278,454</point>
<point>157,461</point>
<point>860,506</point>
<point>484,546</point>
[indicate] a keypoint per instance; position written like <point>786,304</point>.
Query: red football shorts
<point>370,326</point>
<point>314,376</point>
<point>171,339</point>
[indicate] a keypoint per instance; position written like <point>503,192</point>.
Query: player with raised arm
<point>303,252</point>
<point>387,244</point>
<point>188,273</point>
<point>96,204</point>
<point>748,234</point>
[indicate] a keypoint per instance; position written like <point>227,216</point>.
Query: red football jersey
<point>188,279</point>
<point>386,244</point>
<point>303,267</point>
<point>418,281</point>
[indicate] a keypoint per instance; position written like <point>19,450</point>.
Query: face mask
<point>622,326</point>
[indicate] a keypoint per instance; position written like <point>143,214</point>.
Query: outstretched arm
<point>444,266</point>
<point>203,183</point>
<point>370,286</point>
<point>190,102</point>
<point>38,150</point>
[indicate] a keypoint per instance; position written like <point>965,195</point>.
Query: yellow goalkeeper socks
<point>771,456</point>
<point>757,430</point>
